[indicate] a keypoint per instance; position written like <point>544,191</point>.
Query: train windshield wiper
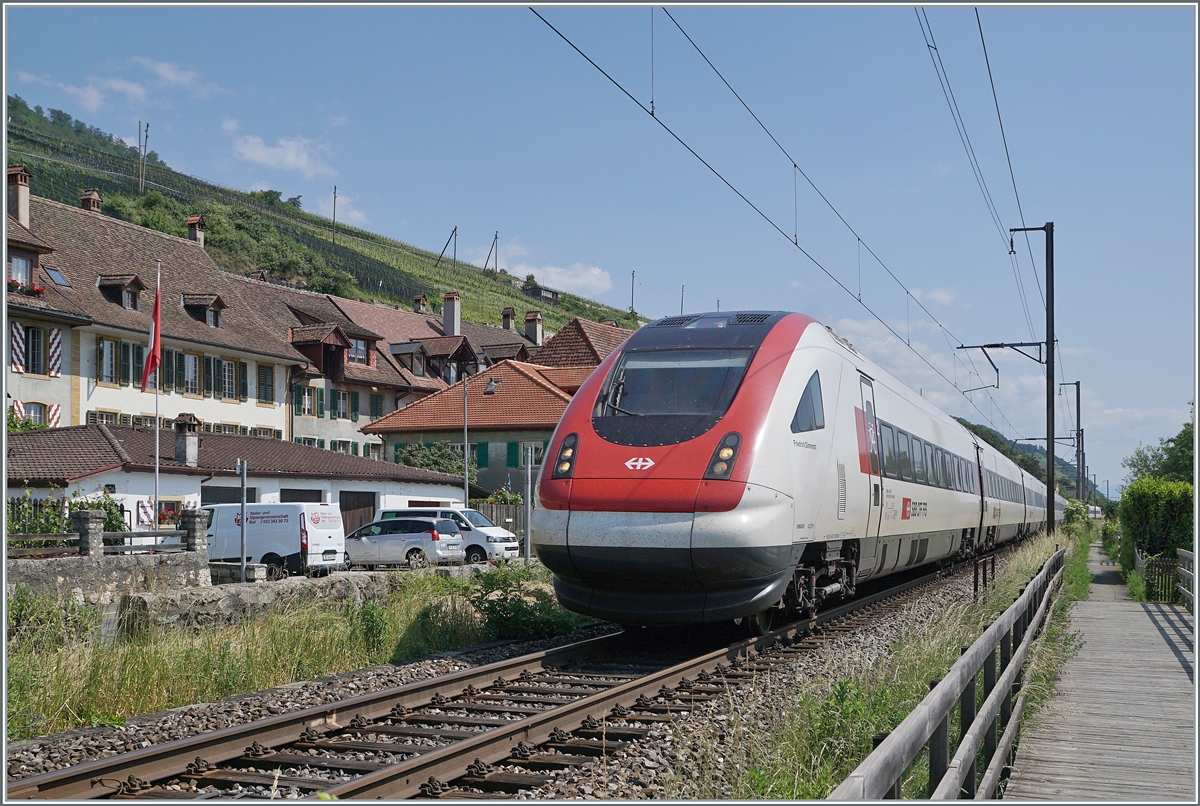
<point>615,395</point>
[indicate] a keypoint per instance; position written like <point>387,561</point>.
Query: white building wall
<point>97,396</point>
<point>28,387</point>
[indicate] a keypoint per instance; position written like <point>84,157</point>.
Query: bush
<point>1077,512</point>
<point>516,602</point>
<point>38,622</point>
<point>1156,515</point>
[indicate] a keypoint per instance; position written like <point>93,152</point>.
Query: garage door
<point>357,509</point>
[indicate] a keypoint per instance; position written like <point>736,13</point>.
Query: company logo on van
<point>315,517</point>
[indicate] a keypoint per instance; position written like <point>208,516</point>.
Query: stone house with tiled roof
<point>520,414</point>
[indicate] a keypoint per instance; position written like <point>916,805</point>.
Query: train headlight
<point>721,464</point>
<point>564,466</point>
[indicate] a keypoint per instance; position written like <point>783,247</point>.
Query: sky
<point>485,119</point>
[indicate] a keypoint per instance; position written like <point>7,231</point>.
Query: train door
<point>869,461</point>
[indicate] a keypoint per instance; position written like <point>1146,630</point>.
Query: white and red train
<point>735,465</point>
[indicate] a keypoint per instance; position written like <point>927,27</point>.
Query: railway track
<point>493,729</point>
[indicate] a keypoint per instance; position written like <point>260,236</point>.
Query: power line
<point>765,217</point>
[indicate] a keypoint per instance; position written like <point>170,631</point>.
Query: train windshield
<point>663,396</point>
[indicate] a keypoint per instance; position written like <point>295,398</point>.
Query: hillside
<point>249,231</point>
<point>1030,458</point>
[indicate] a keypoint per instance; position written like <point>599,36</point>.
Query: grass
<point>60,677</point>
<point>798,738</point>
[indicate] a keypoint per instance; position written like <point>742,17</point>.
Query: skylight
<point>56,276</point>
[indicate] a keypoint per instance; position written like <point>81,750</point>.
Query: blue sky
<point>483,118</point>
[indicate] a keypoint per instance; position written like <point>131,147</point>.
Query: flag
<point>154,354</point>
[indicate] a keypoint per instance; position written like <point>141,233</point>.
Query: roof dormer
<point>123,289</point>
<point>204,308</point>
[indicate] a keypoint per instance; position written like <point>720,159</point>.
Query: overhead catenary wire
<point>771,221</point>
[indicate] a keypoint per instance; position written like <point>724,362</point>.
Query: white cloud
<point>230,125</point>
<point>940,296</point>
<point>578,278</point>
<point>92,95</point>
<point>347,213</point>
<point>288,154</point>
<point>172,75</point>
<point>337,120</point>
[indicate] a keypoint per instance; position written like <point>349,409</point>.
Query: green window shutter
<point>297,399</point>
<point>168,370</point>
<point>137,364</point>
<point>208,376</point>
<point>180,371</point>
<point>481,456</point>
<point>397,449</point>
<point>298,440</point>
<point>126,358</point>
<point>99,359</point>
<point>320,443</point>
<point>354,406</point>
<point>243,381</point>
<point>354,448</point>
<point>376,406</point>
<point>514,454</point>
<point>321,405</point>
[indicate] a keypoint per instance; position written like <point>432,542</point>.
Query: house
<point>519,414</point>
<point>197,468</point>
<point>582,343</point>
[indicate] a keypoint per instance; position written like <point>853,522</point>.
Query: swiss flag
<point>154,354</point>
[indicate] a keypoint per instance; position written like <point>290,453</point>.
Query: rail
<point>52,544</point>
<point>1187,580</point>
<point>155,547</point>
<point>880,774</point>
<point>69,543</point>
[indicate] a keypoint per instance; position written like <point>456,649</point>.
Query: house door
<point>358,509</point>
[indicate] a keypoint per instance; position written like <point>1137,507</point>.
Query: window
<point>810,414</point>
<point>229,388</point>
<point>224,428</point>
<point>266,383</point>
<point>906,470</point>
<point>947,470</point>
<point>57,276</point>
<point>374,450</point>
<point>309,441</point>
<point>191,374</point>
<point>213,317</point>
<point>538,448</point>
<point>263,432</point>
<point>418,365</point>
<point>36,412</point>
<point>918,456</point>
<point>307,401</point>
<point>107,361</point>
<point>358,351</point>
<point>457,448</point>
<point>20,270</point>
<point>339,445</point>
<point>339,408</point>
<point>690,382</point>
<point>891,466</point>
<point>131,299</point>
<point>35,351</point>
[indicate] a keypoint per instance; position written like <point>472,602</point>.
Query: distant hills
<point>248,231</point>
<point>1030,458</point>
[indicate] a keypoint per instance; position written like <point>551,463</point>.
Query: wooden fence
<point>1186,585</point>
<point>1160,577</point>
<point>507,516</point>
<point>880,774</point>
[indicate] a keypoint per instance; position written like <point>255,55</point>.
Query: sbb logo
<point>640,463</point>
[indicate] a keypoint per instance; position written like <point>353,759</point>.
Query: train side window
<point>810,414</point>
<point>931,467</point>
<point>947,471</point>
<point>891,466</point>
<point>959,483</point>
<point>902,449</point>
<point>918,458</point>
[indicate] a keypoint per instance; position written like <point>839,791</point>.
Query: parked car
<point>287,538</point>
<point>484,541</point>
<point>415,542</point>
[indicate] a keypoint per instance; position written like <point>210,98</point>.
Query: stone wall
<point>99,580</point>
<point>226,573</point>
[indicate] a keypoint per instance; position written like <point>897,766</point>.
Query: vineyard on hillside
<point>383,268</point>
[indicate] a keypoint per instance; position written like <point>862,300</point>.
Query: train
<point>746,466</point>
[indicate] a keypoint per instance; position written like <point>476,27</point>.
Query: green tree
<point>438,456</point>
<point>1171,459</point>
<point>530,283</point>
<point>295,202</point>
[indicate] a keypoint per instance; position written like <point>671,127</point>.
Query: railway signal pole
<point>1078,441</point>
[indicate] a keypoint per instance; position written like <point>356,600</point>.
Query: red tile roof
<point>60,455</point>
<point>19,235</point>
<point>581,343</point>
<point>524,399</point>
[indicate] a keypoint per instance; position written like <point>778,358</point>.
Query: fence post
<point>966,717</point>
<point>1006,647</point>
<point>975,587</point>
<point>989,683</point>
<point>893,792</point>
<point>194,525</point>
<point>89,524</point>
<point>939,747</point>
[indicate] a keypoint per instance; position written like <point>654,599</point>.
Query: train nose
<point>669,567</point>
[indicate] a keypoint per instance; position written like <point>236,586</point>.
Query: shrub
<point>38,622</point>
<point>1156,515</point>
<point>1077,512</point>
<point>515,602</point>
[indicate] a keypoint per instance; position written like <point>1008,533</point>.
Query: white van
<point>483,540</point>
<point>289,538</point>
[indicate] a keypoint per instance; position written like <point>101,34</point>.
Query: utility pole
<point>681,300</point>
<point>335,216</point>
<point>632,276</point>
<point>142,158</point>
<point>1078,441</point>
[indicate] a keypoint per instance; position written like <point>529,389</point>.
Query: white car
<point>483,540</point>
<point>415,542</point>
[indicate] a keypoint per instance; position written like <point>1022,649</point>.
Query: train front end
<point>651,508</point>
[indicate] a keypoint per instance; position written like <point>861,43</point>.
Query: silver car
<point>415,542</point>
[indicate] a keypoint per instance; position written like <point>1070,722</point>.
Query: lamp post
<point>1048,228</point>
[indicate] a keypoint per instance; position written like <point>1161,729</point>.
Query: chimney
<point>419,303</point>
<point>90,199</point>
<point>510,315</point>
<point>18,194</point>
<point>187,440</point>
<point>533,327</point>
<point>195,225</point>
<point>451,314</point>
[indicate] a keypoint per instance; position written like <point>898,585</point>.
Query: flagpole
<point>157,384</point>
